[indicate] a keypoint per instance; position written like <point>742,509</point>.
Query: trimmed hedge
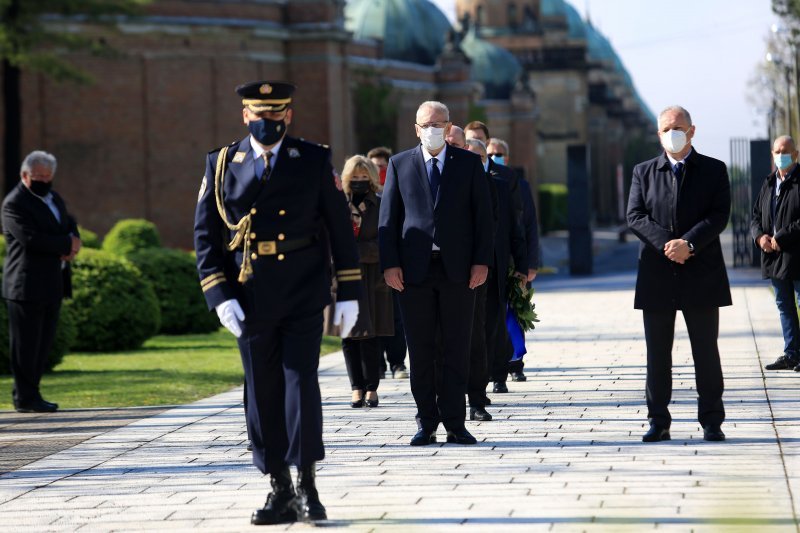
<point>65,338</point>
<point>89,239</point>
<point>173,275</point>
<point>114,306</point>
<point>553,206</point>
<point>131,235</point>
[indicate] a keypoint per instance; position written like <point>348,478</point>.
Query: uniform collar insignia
<point>294,153</point>
<point>238,157</point>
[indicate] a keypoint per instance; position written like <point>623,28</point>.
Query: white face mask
<point>432,138</point>
<point>673,141</point>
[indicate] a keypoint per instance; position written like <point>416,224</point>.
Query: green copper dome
<point>496,68</point>
<point>411,30</point>
<point>559,8</point>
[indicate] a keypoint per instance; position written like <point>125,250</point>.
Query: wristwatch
<point>691,247</point>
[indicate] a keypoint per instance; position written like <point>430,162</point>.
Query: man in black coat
<point>775,228</point>
<point>41,240</point>
<point>435,237</point>
<point>679,204</point>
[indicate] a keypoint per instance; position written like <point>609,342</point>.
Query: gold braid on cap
<point>242,228</point>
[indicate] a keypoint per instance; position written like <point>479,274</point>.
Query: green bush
<point>65,338</point>
<point>552,206</point>
<point>131,235</point>
<point>89,239</point>
<point>114,306</point>
<point>174,277</point>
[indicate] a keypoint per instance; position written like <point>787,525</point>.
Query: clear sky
<point>696,53</point>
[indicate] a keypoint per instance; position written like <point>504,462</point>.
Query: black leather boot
<point>309,508</point>
<point>280,508</point>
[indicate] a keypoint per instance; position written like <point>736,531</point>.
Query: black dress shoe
<point>423,438</point>
<point>656,433</point>
<point>712,432</point>
<point>280,506</point>
<point>37,406</point>
<point>309,508</point>
<point>249,446</point>
<point>461,436</point>
<point>479,413</point>
<point>357,404</point>
<point>500,387</point>
<point>519,375</point>
<point>783,362</point>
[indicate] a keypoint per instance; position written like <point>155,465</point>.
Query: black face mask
<point>359,187</point>
<point>40,188</point>
<point>267,131</point>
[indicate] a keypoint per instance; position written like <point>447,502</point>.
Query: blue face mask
<point>499,159</point>
<point>782,161</point>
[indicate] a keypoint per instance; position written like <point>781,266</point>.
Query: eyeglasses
<point>433,125</point>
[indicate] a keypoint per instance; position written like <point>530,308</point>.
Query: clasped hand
<point>768,244</point>
<point>677,250</point>
<point>76,247</point>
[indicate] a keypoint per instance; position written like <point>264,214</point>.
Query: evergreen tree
<point>31,40</point>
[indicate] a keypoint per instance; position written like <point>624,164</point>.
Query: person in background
<point>394,348</point>
<point>775,227</point>
<point>499,154</point>
<point>362,349</point>
<point>41,241</point>
<point>456,137</point>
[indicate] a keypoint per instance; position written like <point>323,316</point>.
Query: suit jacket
<point>460,217</point>
<point>297,202</point>
<point>35,243</point>
<point>785,264</point>
<point>660,210</point>
<point>530,223</point>
<point>510,239</point>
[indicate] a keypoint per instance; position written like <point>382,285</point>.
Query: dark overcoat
<point>784,226</point>
<point>697,210</point>
<point>35,243</point>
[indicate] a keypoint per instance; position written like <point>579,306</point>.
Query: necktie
<point>435,178</point>
<point>678,170</point>
<point>267,168</point>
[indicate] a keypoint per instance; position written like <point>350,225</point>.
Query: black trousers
<point>395,346</point>
<point>478,354</point>
<point>659,331</point>
<point>438,305</point>
<point>31,329</point>
<point>284,407</point>
<point>497,341</point>
<point>362,357</point>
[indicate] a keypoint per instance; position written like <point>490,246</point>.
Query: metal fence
<point>741,202</point>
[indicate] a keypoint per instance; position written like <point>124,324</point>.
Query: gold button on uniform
<point>281,257</point>
<point>281,236</point>
<point>253,211</point>
<point>282,212</point>
<point>253,235</point>
<point>254,256</point>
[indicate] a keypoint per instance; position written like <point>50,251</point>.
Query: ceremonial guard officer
<point>269,216</point>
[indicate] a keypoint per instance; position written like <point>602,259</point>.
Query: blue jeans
<point>785,291</point>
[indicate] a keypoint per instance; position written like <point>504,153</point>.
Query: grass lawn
<point>167,370</point>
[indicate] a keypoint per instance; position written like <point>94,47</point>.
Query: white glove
<point>346,314</point>
<point>231,315</point>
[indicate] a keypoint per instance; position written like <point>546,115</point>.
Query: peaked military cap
<point>261,96</point>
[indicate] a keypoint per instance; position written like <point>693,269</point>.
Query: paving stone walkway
<point>564,452</point>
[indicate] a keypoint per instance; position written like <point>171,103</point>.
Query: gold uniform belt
<point>279,247</point>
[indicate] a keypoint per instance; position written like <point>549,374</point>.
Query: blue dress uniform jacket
<point>697,210</point>
<point>299,197</point>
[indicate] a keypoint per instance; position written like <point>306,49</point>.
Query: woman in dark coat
<point>775,228</point>
<point>362,350</point>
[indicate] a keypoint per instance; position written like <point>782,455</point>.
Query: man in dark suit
<point>509,242</point>
<point>41,240</point>
<point>264,268</point>
<point>499,156</point>
<point>436,244</point>
<point>679,204</point>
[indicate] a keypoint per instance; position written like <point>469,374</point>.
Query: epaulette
<point>215,150</point>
